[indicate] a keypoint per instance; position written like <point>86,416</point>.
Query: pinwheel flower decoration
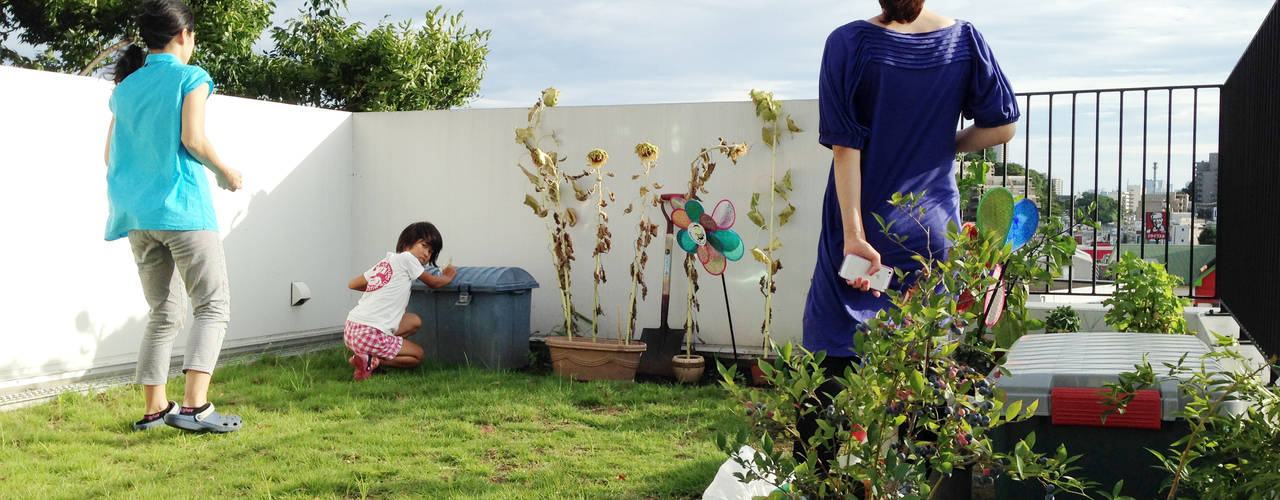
<point>1016,224</point>
<point>708,234</point>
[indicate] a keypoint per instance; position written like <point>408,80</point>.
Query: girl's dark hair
<point>903,11</point>
<point>421,231</point>
<point>158,22</point>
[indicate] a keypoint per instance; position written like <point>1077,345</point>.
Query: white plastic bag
<point>727,487</point>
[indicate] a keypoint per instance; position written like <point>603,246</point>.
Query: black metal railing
<point>1249,269</point>
<point>1185,107</point>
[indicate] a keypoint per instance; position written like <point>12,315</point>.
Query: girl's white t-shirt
<point>383,302</point>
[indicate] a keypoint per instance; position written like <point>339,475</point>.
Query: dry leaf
<point>785,214</point>
<point>533,203</point>
<point>760,256</point>
<point>791,125</point>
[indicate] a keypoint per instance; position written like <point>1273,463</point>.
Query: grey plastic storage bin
<point>1070,368</point>
<point>481,318</point>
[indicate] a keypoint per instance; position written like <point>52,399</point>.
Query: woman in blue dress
<point>891,91</point>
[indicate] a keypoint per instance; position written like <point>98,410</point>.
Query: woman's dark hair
<point>421,231</point>
<point>903,11</point>
<point>158,22</point>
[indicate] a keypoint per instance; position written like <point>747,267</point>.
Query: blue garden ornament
<point>1015,223</point>
<point>1026,219</point>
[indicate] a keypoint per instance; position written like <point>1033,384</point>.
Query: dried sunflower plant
<point>646,231</point>
<point>548,179</point>
<point>769,110</point>
<point>596,159</point>
<point>700,170</point>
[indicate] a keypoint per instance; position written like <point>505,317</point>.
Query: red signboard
<point>1157,225</point>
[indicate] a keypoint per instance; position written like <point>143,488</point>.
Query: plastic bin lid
<point>485,280</point>
<point>1038,363</point>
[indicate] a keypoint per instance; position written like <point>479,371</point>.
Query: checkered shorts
<point>365,339</point>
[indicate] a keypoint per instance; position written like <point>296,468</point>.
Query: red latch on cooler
<point>1085,406</point>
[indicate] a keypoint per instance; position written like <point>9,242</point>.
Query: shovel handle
<point>666,257</point>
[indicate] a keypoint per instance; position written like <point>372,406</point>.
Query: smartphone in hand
<point>855,267</point>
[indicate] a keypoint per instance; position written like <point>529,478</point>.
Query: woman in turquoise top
<point>159,197</point>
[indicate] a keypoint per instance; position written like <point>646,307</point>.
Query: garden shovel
<point>663,343</point>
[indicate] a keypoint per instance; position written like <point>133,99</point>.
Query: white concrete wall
<point>457,169</point>
<point>73,302</point>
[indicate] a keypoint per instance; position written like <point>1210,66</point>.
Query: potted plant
<point>1226,453</point>
<point>1144,300</point>
<point>1062,319</point>
<point>775,123</point>
<point>575,357</point>
<point>906,422</point>
<point>1032,252</point>
<point>707,235</point>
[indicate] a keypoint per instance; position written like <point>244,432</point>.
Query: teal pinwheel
<point>708,234</point>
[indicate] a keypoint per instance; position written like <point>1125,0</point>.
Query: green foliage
<point>1062,319</point>
<point>1208,236</point>
<point>318,59</point>
<point>322,60</point>
<point>1233,447</point>
<point>1034,266</point>
<point>944,408</point>
<point>987,155</point>
<point>1104,209</point>
<point>429,432</point>
<point>971,178</point>
<point>72,33</point>
<point>1144,300</point>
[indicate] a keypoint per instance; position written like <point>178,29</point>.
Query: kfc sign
<point>1157,225</point>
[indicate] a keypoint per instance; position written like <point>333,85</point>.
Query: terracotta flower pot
<point>757,376</point>
<point>583,359</point>
<point>688,368</point>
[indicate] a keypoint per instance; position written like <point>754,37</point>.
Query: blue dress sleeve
<point>837,119</point>
<point>195,77</point>
<point>990,102</point>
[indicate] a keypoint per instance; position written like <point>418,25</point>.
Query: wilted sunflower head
<point>737,150</point>
<point>550,97</point>
<point>597,157</point>
<point>647,152</point>
<point>766,108</point>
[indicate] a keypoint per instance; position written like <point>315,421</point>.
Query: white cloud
<point>632,51</point>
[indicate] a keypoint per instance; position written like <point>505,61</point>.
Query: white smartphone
<point>855,267</point>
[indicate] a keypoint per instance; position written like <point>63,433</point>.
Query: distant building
<point>1155,203</point>
<point>1129,200</point>
<point>1206,179</point>
<point>1057,187</point>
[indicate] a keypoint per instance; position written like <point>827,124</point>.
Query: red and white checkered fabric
<point>365,339</point>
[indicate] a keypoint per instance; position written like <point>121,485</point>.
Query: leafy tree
<point>84,36</point>
<point>1208,236</point>
<point>319,58</point>
<point>1106,209</point>
<point>988,155</point>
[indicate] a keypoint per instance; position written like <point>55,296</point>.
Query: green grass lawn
<point>442,432</point>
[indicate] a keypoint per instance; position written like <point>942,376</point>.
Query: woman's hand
<point>860,247</point>
<point>229,179</point>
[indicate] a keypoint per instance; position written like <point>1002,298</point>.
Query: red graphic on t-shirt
<point>381,276</point>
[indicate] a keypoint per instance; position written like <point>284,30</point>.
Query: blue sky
<point>632,52</point>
